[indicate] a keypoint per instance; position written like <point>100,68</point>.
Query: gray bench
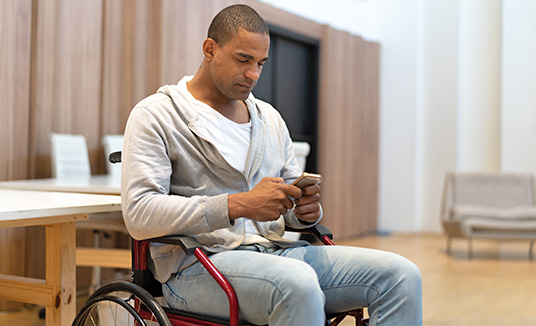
<point>489,205</point>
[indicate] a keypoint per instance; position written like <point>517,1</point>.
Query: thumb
<point>293,191</point>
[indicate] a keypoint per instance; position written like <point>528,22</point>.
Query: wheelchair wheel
<point>121,303</point>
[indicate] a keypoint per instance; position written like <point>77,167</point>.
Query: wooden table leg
<point>61,272</point>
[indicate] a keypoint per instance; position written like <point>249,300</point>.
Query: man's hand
<point>308,205</point>
<point>266,202</point>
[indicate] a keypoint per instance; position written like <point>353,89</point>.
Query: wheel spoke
<point>120,302</point>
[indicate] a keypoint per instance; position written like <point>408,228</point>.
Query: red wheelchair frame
<point>144,288</point>
<point>144,278</point>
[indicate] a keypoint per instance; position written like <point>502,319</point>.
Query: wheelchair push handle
<point>115,157</point>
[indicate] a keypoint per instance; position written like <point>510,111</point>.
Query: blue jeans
<point>297,286</point>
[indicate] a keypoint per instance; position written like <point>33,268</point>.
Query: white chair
<point>70,159</point>
<point>69,156</point>
<point>301,150</point>
<point>112,143</point>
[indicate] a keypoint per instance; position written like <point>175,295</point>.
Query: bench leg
<point>470,248</point>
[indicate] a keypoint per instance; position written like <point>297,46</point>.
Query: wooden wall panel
<point>329,150</point>
<point>371,64</point>
<point>117,61</point>
<point>15,37</point>
<point>285,19</point>
<point>132,45</point>
<point>354,217</point>
<point>347,125</point>
<point>65,90</point>
<point>182,38</point>
<point>147,47</point>
<point>66,76</point>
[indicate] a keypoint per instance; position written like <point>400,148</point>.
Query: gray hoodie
<point>175,182</point>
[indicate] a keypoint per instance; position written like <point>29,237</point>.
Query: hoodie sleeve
<point>148,208</point>
<point>291,169</point>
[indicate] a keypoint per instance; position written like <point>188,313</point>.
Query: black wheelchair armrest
<point>318,230</point>
<point>140,273</point>
<point>188,244</point>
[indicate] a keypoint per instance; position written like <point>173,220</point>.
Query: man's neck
<point>234,110</point>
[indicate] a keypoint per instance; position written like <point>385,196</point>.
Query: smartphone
<point>307,179</point>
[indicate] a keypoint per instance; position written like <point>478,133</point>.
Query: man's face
<point>237,65</point>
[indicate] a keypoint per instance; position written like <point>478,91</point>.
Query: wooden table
<point>57,212</point>
<point>97,184</point>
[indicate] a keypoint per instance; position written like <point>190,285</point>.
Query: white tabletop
<point>98,184</point>
<point>26,208</point>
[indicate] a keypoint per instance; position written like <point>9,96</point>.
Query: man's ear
<point>209,48</point>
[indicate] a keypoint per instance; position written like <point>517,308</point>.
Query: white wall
<point>437,78</point>
<point>457,91</point>
<point>355,16</point>
<point>518,104</point>
<point>398,116</point>
<point>479,89</point>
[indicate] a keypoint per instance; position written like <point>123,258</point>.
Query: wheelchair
<point>135,303</point>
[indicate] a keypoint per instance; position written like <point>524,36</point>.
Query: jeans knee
<point>294,293</point>
<point>412,275</point>
<point>301,285</point>
<point>407,278</point>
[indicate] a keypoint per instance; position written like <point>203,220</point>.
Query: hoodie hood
<point>183,101</point>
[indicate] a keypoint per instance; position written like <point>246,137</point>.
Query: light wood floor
<point>496,287</point>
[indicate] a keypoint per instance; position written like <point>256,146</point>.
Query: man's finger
<point>310,190</point>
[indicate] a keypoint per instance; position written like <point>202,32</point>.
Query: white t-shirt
<point>232,140</point>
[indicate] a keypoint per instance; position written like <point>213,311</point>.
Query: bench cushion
<point>508,214</point>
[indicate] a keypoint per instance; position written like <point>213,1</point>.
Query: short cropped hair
<point>227,22</point>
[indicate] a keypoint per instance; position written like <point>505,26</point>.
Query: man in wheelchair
<point>206,159</point>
